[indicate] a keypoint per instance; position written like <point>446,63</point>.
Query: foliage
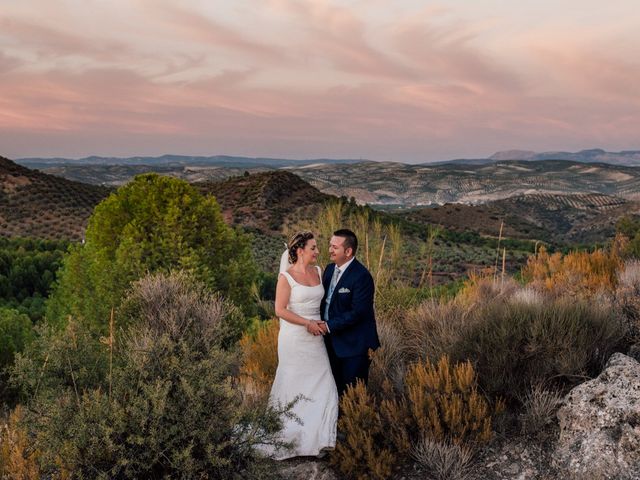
<point>444,402</point>
<point>17,457</point>
<point>15,335</point>
<point>440,402</point>
<point>540,405</point>
<point>627,297</point>
<point>259,359</point>
<point>153,223</point>
<point>515,344</point>
<point>366,453</point>
<point>27,271</point>
<point>576,274</point>
<point>168,302</point>
<point>165,407</point>
<point>630,227</point>
<point>443,460</point>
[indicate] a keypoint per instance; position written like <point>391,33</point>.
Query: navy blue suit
<point>352,324</point>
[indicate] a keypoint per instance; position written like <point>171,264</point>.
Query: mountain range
<point>398,185</point>
<point>595,155</point>
<point>268,203</point>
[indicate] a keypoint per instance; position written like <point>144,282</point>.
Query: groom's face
<point>337,253</point>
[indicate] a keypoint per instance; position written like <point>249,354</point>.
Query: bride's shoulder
<point>285,278</point>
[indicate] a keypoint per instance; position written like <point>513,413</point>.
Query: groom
<point>347,309</point>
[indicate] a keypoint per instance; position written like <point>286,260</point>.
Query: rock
<point>600,424</point>
<point>306,470</point>
<point>634,351</point>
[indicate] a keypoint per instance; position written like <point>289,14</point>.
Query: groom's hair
<point>350,239</point>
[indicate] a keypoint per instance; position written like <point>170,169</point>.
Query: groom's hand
<point>315,328</point>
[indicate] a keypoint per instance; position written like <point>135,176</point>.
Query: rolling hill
<point>391,185</point>
<point>38,205</point>
<point>556,219</point>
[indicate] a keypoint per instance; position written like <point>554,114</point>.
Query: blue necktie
<point>332,286</point>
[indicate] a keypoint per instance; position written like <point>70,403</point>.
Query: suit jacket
<point>352,322</point>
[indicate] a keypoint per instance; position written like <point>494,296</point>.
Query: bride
<point>303,364</point>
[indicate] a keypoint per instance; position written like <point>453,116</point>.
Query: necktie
<point>332,286</point>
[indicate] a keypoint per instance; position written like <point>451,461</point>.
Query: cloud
<point>46,41</point>
<point>306,79</point>
<point>9,63</point>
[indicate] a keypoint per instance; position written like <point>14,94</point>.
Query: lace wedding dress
<point>304,370</point>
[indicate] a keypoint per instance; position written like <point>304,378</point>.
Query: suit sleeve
<point>361,304</point>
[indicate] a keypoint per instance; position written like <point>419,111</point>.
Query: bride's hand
<point>314,328</point>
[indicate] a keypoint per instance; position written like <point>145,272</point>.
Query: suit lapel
<point>343,278</point>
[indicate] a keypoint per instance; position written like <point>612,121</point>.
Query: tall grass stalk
<point>495,268</point>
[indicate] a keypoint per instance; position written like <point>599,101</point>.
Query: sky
<point>390,80</point>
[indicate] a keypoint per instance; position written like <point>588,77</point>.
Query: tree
<point>15,334</point>
<point>154,223</point>
<point>630,227</point>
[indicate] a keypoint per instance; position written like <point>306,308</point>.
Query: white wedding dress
<point>304,370</point>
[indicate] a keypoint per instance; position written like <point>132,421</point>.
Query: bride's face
<point>309,254</point>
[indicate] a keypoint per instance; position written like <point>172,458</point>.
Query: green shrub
<point>516,344</point>
<point>15,334</point>
<point>153,223</point>
<point>166,407</point>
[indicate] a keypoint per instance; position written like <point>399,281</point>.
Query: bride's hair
<point>299,240</point>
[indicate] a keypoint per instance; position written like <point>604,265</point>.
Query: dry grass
<point>432,328</point>
<point>540,407</point>
<point>577,274</point>
<point>628,297</point>
<point>17,459</point>
<point>442,460</point>
<point>389,361</point>
<point>260,360</point>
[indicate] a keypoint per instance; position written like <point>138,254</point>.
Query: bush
<point>577,274</point>
<point>445,405</point>
<point>366,452</point>
<point>15,334</point>
<point>540,406</point>
<point>627,297</point>
<point>439,402</point>
<point>166,407</point>
<point>259,359</point>
<point>433,328</point>
<point>17,459</point>
<point>443,460</point>
<point>152,224</point>
<point>514,345</point>
<point>629,226</point>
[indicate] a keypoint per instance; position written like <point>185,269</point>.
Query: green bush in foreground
<point>515,344</point>
<point>169,408</point>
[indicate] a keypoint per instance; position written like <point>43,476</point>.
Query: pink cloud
<point>47,41</point>
<point>196,26</point>
<point>333,84</point>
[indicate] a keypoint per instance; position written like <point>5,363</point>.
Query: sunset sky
<point>398,80</point>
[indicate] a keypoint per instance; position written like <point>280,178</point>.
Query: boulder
<point>600,424</point>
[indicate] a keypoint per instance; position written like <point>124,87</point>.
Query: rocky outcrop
<point>600,424</point>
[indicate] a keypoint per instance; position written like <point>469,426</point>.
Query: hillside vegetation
<point>553,218</point>
<point>34,204</point>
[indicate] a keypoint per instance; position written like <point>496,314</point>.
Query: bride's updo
<point>299,240</point>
